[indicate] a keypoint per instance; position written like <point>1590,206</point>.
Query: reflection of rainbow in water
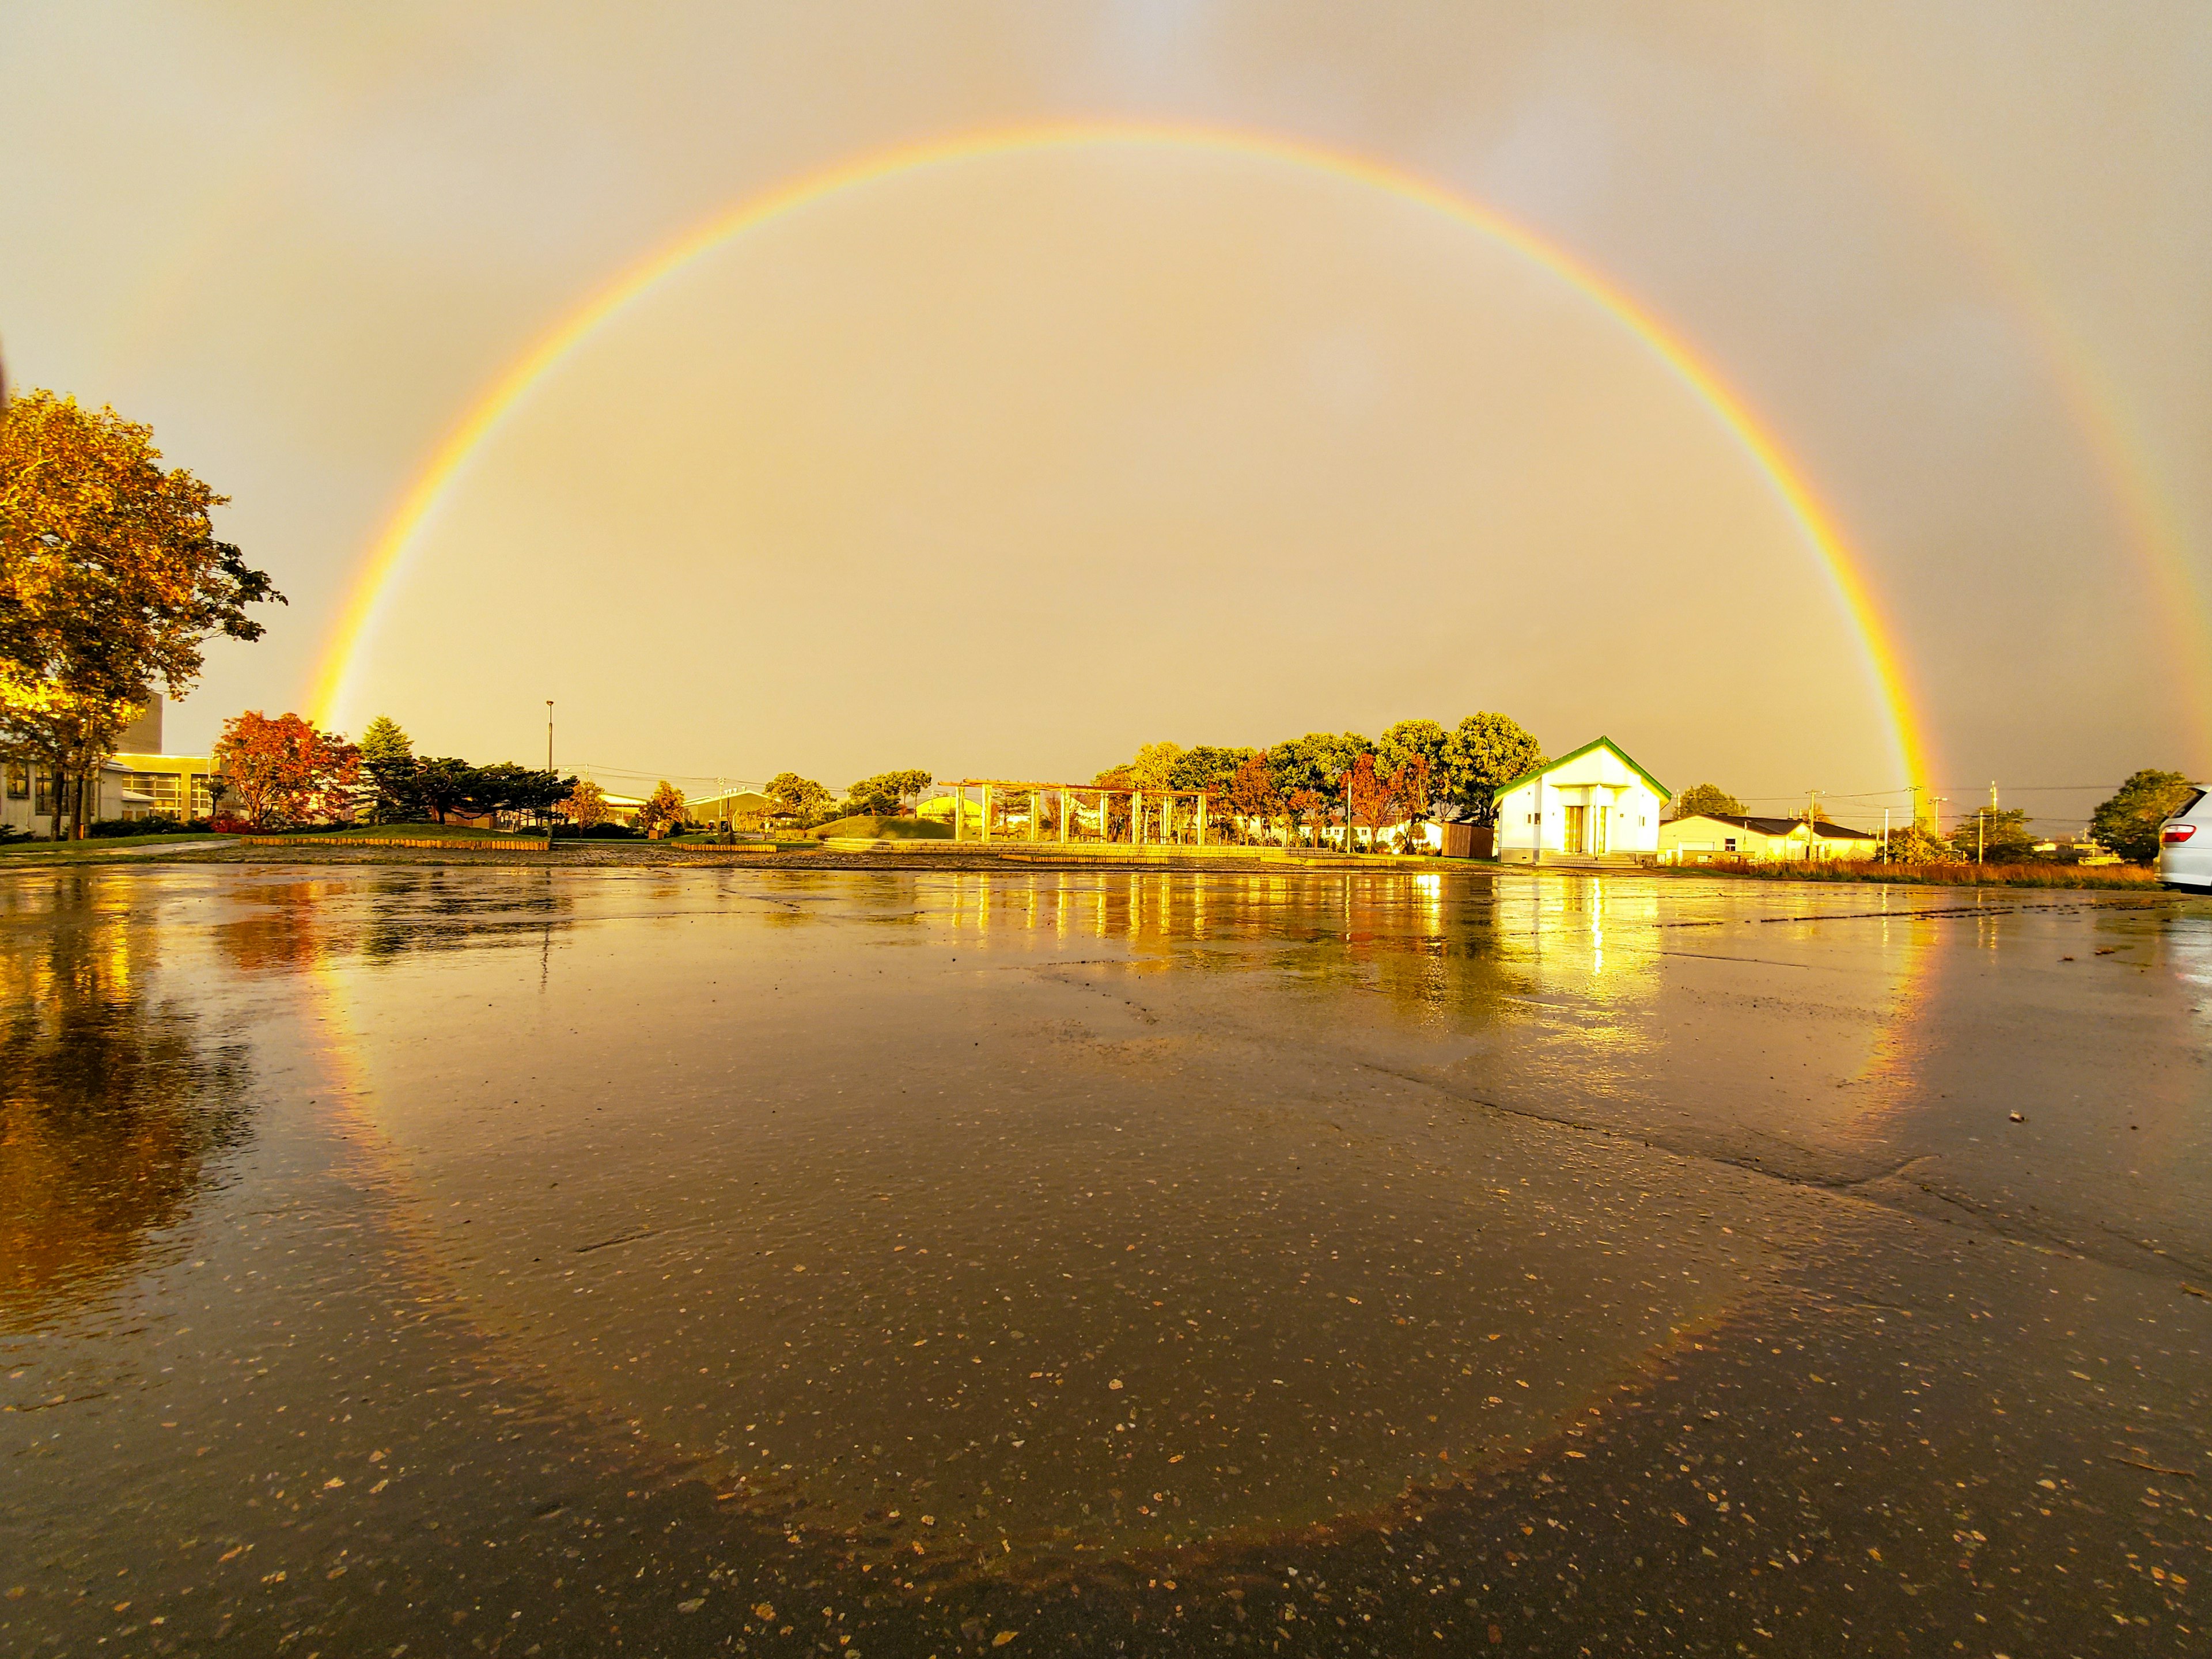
<point>1571,935</point>
<point>389,557</point>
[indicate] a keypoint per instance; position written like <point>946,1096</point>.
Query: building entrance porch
<point>1588,830</point>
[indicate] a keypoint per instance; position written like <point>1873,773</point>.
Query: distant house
<point>1594,804</point>
<point>1704,837</point>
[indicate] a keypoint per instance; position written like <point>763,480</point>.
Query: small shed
<point>1593,803</point>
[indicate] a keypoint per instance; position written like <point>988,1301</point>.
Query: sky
<point>1208,372</point>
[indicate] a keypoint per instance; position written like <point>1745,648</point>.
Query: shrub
<point>2042,873</point>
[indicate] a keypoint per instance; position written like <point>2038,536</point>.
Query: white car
<point>2184,845</point>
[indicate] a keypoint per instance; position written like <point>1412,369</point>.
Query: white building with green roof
<point>1594,805</point>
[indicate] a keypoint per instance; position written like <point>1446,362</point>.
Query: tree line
<point>1417,769</point>
<point>804,803</point>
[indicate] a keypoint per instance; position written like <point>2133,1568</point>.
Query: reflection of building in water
<point>112,1100</point>
<point>1426,941</point>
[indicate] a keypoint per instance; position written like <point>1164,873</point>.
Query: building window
<point>1729,845</point>
<point>19,783</point>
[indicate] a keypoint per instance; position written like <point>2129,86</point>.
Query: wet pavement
<point>538,1262</point>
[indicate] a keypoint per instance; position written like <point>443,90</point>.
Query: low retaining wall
<point>435,843</point>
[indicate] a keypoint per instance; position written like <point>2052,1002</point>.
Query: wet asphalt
<point>520,1260</point>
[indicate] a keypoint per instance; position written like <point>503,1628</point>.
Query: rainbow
<point>389,555</point>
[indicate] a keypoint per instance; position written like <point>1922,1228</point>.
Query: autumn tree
<point>1252,794</point>
<point>1701,797</point>
<point>2128,823</point>
<point>1366,800</point>
<point>284,771</point>
<point>1407,790</point>
<point>112,579</point>
<point>585,805</point>
<point>664,807</point>
<point>1484,751</point>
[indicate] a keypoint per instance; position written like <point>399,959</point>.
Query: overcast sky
<point>1007,464</point>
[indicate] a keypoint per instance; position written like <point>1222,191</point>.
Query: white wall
<point>1598,780</point>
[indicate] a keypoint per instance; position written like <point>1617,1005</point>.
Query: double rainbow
<point>390,553</point>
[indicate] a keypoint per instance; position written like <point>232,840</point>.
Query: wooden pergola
<point>1152,817</point>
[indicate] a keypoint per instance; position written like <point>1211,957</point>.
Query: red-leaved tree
<point>1252,792</point>
<point>284,771</point>
<point>1366,798</point>
<point>1408,789</point>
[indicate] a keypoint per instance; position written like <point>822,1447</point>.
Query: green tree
<point>796,797</point>
<point>387,761</point>
<point>1485,750</point>
<point>1912,843</point>
<point>447,784</point>
<point>1425,740</point>
<point>1208,767</point>
<point>1154,766</point>
<point>887,792</point>
<point>1318,761</point>
<point>111,581</point>
<point>1704,797</point>
<point>2128,823</point>
<point>1991,835</point>
<point>523,791</point>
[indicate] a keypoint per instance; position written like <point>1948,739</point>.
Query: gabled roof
<point>1619,754</point>
<point>1821,827</point>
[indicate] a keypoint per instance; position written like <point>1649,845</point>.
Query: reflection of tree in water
<point>112,1104</point>
<point>1428,944</point>
<point>290,925</point>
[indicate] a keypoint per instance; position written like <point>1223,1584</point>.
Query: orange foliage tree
<point>111,580</point>
<point>284,771</point>
<point>1252,792</point>
<point>1367,799</point>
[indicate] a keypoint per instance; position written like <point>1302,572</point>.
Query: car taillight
<point>2177,832</point>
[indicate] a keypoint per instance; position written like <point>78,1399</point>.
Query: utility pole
<point>549,734</point>
<point>1885,835</point>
